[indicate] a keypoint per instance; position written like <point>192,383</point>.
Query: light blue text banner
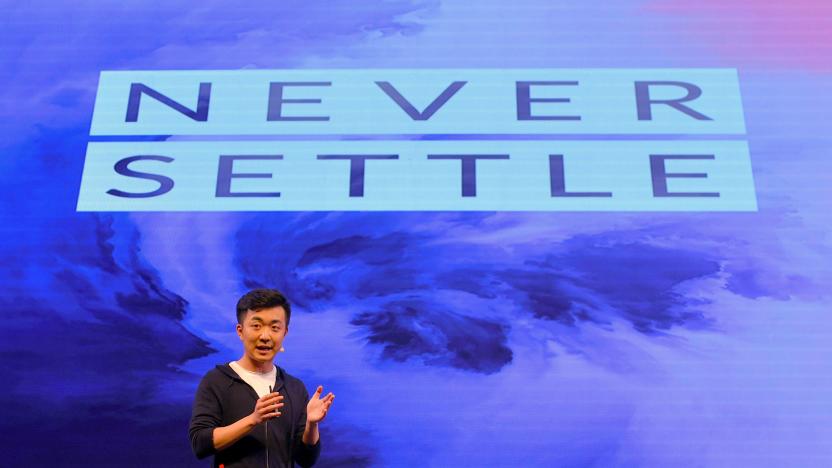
<point>418,175</point>
<point>422,101</point>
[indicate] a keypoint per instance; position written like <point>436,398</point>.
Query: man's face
<point>262,333</point>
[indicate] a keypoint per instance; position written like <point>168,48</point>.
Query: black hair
<point>259,299</point>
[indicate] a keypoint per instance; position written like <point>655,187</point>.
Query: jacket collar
<point>279,378</point>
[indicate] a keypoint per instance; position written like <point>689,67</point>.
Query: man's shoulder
<point>221,373</point>
<point>290,381</point>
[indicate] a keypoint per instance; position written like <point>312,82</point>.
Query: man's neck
<point>255,366</point>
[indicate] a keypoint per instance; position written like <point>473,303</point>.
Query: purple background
<point>506,339</point>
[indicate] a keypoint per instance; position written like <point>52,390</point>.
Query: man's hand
<point>267,407</point>
<point>317,407</point>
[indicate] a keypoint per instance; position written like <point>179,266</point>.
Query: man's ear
<point>240,331</point>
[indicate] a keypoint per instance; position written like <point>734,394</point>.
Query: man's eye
<point>255,326</point>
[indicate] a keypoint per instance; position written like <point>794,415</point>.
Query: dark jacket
<point>224,398</point>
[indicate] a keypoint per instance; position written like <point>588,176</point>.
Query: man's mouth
<point>264,348</point>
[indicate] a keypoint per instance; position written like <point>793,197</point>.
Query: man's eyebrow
<point>258,319</point>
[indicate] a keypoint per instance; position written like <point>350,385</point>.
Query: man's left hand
<point>317,407</point>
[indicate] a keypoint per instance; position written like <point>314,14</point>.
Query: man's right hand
<point>267,407</point>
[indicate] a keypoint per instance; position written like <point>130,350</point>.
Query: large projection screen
<point>535,233</point>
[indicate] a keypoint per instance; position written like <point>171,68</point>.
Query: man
<point>250,413</point>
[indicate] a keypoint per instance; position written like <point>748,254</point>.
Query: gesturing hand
<point>267,407</point>
<point>317,407</point>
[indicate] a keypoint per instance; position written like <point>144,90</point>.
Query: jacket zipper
<point>266,440</point>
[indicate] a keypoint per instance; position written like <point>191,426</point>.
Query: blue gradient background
<point>476,339</point>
